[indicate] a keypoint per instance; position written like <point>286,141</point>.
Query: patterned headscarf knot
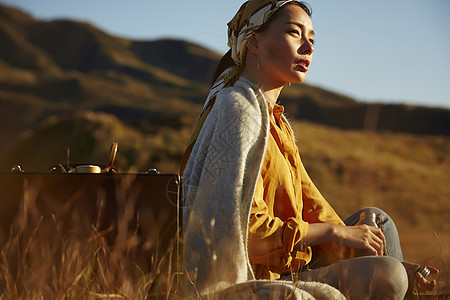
<point>249,18</point>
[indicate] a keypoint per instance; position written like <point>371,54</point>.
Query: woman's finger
<point>423,285</point>
<point>374,246</point>
<point>377,241</point>
<point>433,270</point>
<point>380,234</point>
<point>376,234</point>
<point>417,281</point>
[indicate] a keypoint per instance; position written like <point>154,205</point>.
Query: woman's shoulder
<point>243,93</point>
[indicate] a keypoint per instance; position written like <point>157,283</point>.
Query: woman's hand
<point>367,240</point>
<point>417,282</point>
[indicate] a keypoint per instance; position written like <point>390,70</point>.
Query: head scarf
<point>250,17</point>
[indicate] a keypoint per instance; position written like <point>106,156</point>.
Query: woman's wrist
<point>321,233</point>
<point>334,232</point>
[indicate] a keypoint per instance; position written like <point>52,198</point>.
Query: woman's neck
<point>270,91</point>
<point>272,95</point>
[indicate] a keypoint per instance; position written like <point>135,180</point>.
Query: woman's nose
<point>307,47</point>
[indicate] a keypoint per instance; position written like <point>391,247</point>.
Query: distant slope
<point>56,69</point>
<point>182,58</point>
<point>88,135</point>
<point>68,61</point>
<point>324,107</point>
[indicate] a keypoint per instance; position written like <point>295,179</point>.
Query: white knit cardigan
<point>219,183</point>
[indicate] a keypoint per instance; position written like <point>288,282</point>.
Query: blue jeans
<point>386,224</point>
<point>374,277</point>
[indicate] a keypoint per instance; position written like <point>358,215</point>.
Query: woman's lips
<point>303,65</point>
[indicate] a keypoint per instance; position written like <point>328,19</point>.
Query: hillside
<point>56,68</point>
<point>59,67</point>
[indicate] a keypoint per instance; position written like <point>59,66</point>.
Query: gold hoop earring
<point>257,62</point>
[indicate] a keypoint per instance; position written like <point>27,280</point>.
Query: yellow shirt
<point>285,202</point>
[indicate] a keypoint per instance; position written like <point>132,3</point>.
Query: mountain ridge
<point>60,67</point>
<point>62,47</point>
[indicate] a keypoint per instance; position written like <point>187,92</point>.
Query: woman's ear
<point>252,44</point>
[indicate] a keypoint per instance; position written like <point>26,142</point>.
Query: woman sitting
<point>251,210</point>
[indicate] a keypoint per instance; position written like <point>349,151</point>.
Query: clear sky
<point>394,51</point>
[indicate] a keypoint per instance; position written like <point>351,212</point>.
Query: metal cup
<point>88,169</point>
<point>368,218</point>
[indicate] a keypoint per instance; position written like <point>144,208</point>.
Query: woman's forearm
<point>320,233</point>
<point>369,238</point>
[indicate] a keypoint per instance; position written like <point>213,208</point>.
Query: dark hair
<point>302,5</point>
<point>227,60</point>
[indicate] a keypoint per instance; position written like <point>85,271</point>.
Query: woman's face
<point>285,47</point>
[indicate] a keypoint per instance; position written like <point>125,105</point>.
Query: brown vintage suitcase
<point>141,211</point>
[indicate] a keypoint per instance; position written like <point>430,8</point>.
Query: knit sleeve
<point>218,186</point>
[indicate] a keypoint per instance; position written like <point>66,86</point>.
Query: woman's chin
<point>298,80</point>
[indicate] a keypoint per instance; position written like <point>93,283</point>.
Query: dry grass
<point>61,256</point>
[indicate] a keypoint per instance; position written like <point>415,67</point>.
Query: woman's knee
<point>370,277</point>
<point>389,280</point>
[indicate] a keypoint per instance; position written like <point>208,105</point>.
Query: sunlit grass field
<point>63,256</point>
<point>57,251</point>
